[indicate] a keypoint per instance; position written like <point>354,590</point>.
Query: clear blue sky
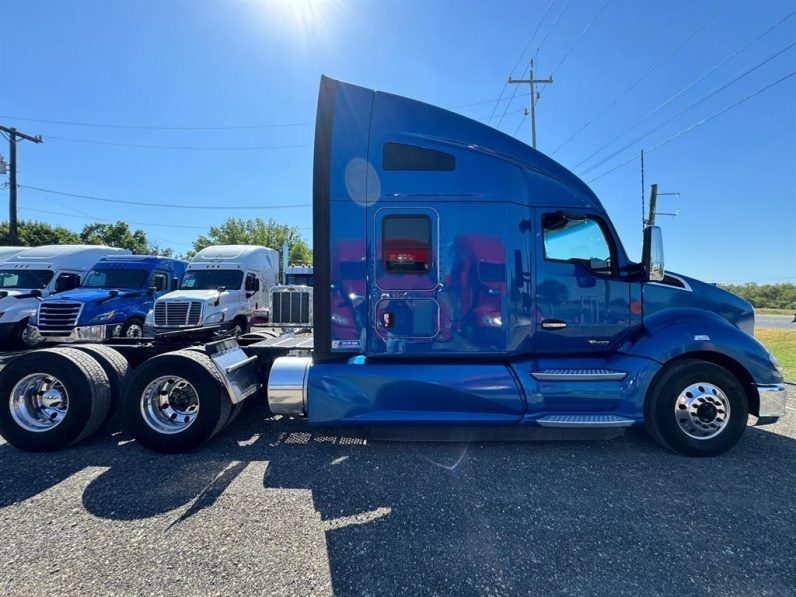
<point>195,63</point>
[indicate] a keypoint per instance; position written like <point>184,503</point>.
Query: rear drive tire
<point>696,408</point>
<point>52,398</point>
<point>175,402</point>
<point>116,368</point>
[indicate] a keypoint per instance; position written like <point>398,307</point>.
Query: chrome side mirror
<point>653,254</point>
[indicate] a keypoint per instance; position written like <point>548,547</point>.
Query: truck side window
<point>252,284</point>
<point>406,244</point>
<point>576,239</point>
<point>67,282</point>
<point>160,281</point>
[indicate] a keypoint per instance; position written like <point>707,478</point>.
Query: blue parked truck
<point>112,301</point>
<point>462,281</point>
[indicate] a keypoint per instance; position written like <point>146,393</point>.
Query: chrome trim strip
<point>578,375</point>
<point>772,399</point>
<point>686,285</point>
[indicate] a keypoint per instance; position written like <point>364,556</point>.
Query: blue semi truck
<point>462,281</point>
<point>112,301</point>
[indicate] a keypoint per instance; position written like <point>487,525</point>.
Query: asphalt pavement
<point>782,322</point>
<point>271,507</point>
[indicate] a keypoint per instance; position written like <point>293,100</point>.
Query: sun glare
<point>304,16</point>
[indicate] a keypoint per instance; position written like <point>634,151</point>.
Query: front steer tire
<point>667,408</point>
<point>195,377</point>
<point>78,376</point>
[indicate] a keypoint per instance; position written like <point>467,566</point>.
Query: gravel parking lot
<point>273,508</point>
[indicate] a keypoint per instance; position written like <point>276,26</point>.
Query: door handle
<point>553,324</point>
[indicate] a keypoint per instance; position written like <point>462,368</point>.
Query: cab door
<point>582,302</point>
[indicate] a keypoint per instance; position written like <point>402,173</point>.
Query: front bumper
<point>772,402</point>
<point>83,333</point>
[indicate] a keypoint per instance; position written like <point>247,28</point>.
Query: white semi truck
<point>223,287</point>
<point>34,273</point>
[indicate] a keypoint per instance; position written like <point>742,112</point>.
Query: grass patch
<point>790,312</point>
<point>782,344</point>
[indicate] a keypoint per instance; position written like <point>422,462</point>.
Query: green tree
<point>257,232</point>
<point>34,234</point>
<point>118,235</point>
<point>765,296</point>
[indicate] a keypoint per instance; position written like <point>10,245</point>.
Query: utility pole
<point>654,194</point>
<point>534,98</point>
<point>13,135</point>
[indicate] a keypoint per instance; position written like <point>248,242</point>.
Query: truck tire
<point>175,401</point>
<point>696,408</point>
<point>21,339</point>
<point>116,368</point>
<point>132,328</point>
<point>52,398</point>
<point>239,326</point>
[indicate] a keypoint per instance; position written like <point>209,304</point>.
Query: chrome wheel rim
<point>27,340</point>
<point>39,402</point>
<point>702,410</point>
<point>134,331</point>
<point>169,404</point>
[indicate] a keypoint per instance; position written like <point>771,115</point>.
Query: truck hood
<point>8,301</point>
<point>678,291</point>
<point>193,295</point>
<point>90,295</point>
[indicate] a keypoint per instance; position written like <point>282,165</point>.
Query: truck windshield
<point>116,278</point>
<point>210,279</point>
<point>299,279</point>
<point>29,278</point>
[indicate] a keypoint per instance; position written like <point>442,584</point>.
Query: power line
<point>86,216</point>
<point>553,26</point>
<point>481,103</point>
<point>703,99</point>
<point>686,88</point>
<point>642,77</point>
<point>577,41</point>
<point>169,205</point>
<point>516,64</point>
<point>180,147</point>
<point>697,124</point>
<point>161,128</point>
<point>549,31</point>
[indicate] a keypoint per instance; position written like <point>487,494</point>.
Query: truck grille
<point>291,307</point>
<point>58,319</point>
<point>169,314</point>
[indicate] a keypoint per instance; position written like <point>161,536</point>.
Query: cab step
<point>579,375</point>
<point>588,421</point>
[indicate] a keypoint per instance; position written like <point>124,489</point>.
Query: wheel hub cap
<point>39,402</point>
<point>702,410</point>
<point>169,404</point>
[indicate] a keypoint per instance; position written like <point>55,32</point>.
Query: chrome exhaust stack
<point>287,385</point>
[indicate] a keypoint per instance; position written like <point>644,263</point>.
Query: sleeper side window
<point>577,239</point>
<point>406,244</point>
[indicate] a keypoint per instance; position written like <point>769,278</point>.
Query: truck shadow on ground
<point>598,516</point>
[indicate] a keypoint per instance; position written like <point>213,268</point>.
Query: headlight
<point>104,316</point>
<point>150,318</point>
<point>215,318</point>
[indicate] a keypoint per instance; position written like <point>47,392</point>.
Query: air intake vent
<point>173,314</point>
<point>58,318</point>
<point>291,306</point>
